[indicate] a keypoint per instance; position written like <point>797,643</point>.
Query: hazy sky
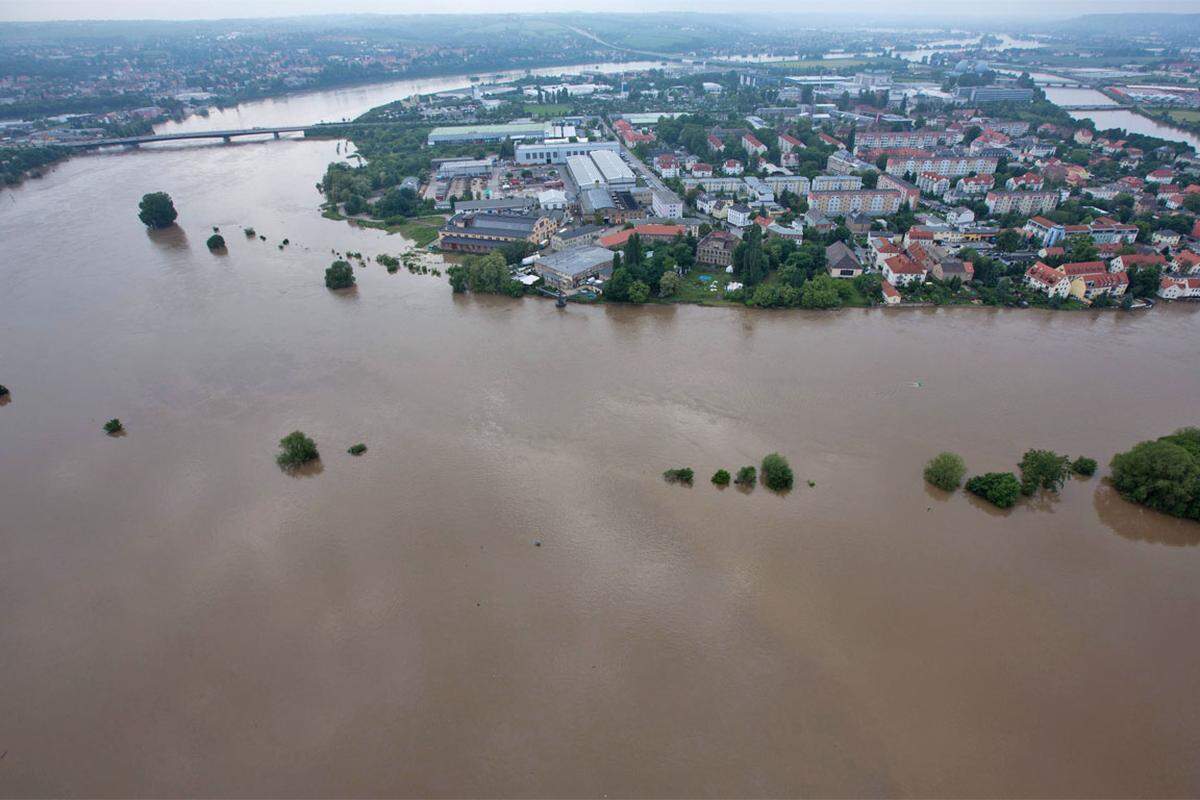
<point>217,9</point>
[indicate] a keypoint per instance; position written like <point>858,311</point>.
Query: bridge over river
<point>228,135</point>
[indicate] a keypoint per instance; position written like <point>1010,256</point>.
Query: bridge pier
<point>227,139</point>
<point>276,134</point>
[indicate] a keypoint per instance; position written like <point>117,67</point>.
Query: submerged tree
<point>296,449</point>
<point>339,275</point>
<point>157,210</point>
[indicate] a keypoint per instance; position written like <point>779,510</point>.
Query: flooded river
<point>181,618</point>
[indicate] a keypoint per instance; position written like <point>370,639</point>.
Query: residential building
<point>1171,288</point>
<point>900,270</point>
<point>1047,280</point>
<point>740,215</point>
<point>752,145</point>
<point>933,183</point>
<point>1000,203</point>
<point>950,164</point>
<point>912,195</point>
<point>666,204</point>
<point>925,139</point>
<point>891,295</point>
<point>788,143</point>
<point>836,183</point>
<point>732,167</point>
<point>667,165</point>
<point>870,201</point>
<point>1030,182</point>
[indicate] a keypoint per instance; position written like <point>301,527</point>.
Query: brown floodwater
<point>179,617</point>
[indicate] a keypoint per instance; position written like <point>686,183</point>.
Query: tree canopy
<point>156,210</point>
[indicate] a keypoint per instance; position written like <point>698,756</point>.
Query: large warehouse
<point>559,152</point>
<point>616,172</point>
<point>570,268</point>
<point>584,173</point>
<point>488,133</point>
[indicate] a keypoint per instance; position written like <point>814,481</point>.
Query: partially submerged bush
<point>3,390</point>
<point>113,426</point>
<point>679,475</point>
<point>1084,466</point>
<point>249,232</point>
<point>216,242</point>
<point>721,477</point>
<point>946,471</point>
<point>777,473</point>
<point>746,476</point>
<point>296,449</point>
<point>1001,489</point>
<point>357,449</point>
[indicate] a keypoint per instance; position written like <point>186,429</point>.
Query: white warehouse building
<point>559,152</point>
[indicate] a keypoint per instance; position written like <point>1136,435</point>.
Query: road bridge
<point>227,135</point>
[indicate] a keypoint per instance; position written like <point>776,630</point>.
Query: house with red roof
<point>732,167</point>
<point>1187,262</point>
<point>891,296</point>
<point>1124,263</point>
<point>788,143</point>
<point>1163,175</point>
<point>666,165</point>
<point>649,232</point>
<point>715,144</point>
<point>976,184</point>
<point>752,145</point>
<point>900,270</point>
<point>1048,280</point>
<point>1179,288</point>
<point>1030,181</point>
<point>702,170</point>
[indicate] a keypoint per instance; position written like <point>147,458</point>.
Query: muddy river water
<point>178,617</point>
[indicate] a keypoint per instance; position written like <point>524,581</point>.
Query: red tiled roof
<point>650,229</point>
<point>903,265</point>
<point>888,289</point>
<point>1083,268</point>
<point>1045,275</point>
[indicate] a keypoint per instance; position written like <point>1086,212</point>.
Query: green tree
<point>113,427</point>
<point>296,449</point>
<point>216,242</point>
<point>721,477</point>
<point>946,471</point>
<point>1009,240</point>
<point>820,292</point>
<point>777,473</point>
<point>1044,469</point>
<point>1001,489</point>
<point>617,287</point>
<point>669,284</point>
<point>639,292</point>
<point>339,275</point>
<point>357,449</point>
<point>157,210</point>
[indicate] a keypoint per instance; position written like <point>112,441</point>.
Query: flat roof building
<point>488,133</point>
<point>584,173</point>
<point>571,267</point>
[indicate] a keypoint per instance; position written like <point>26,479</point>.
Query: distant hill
<point>1173,27</point>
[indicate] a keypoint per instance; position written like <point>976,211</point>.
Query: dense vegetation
<point>17,162</point>
<point>946,471</point>
<point>1163,474</point>
<point>484,275</point>
<point>295,450</point>
<point>721,477</point>
<point>1084,466</point>
<point>156,210</point>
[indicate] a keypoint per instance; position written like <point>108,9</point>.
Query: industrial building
<point>559,152</point>
<point>616,173</point>
<point>584,173</point>
<point>488,133</point>
<point>569,268</point>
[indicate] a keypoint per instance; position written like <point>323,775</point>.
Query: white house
<point>900,270</point>
<point>740,215</point>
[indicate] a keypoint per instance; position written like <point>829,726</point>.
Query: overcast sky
<point>218,9</point>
